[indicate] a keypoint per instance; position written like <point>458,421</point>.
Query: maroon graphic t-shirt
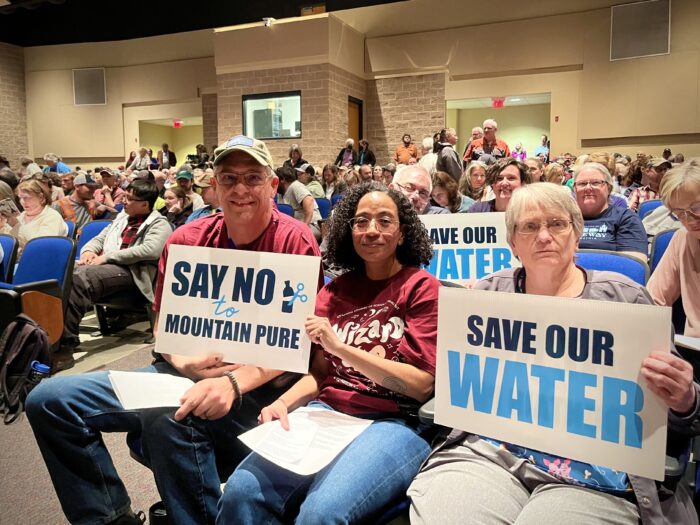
<point>394,318</point>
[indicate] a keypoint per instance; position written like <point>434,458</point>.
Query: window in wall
<point>272,115</point>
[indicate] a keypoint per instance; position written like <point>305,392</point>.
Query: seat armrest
<point>426,413</point>
<point>48,286</point>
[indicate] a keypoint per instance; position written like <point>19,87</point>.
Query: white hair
<point>52,157</point>
<point>349,142</point>
<point>492,122</point>
<point>403,173</point>
<point>428,143</point>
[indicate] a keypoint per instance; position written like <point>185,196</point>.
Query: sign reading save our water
<point>557,375</point>
<point>248,306</point>
<point>468,246</point>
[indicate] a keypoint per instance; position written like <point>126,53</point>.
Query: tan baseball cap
<point>253,147</point>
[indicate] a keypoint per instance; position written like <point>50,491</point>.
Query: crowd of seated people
<point>572,202</point>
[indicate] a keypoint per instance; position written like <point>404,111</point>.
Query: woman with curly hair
<point>446,194</point>
<point>373,356</point>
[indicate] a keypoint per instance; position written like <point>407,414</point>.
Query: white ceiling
<point>515,100</point>
<point>418,16</point>
<point>186,121</point>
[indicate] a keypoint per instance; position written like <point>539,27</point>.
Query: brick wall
<point>341,85</point>
<point>311,80</point>
<point>210,121</point>
<point>413,104</point>
<point>13,108</point>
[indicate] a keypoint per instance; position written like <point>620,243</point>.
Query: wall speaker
<point>89,87</point>
<point>640,29</point>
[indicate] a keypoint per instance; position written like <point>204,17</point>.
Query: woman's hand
<point>175,208</point>
<point>670,378</point>
<point>275,410</point>
<point>321,332</point>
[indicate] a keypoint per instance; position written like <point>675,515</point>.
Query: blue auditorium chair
<point>609,261</point>
<point>10,247</point>
<point>285,208</point>
<point>658,247</point>
<point>647,207</point>
<point>324,207</point>
<point>91,230</point>
<point>71,229</point>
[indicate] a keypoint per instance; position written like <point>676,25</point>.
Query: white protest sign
<point>553,374</point>
<point>248,306</point>
<point>468,246</point>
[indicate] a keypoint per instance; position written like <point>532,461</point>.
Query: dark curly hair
<point>416,249</point>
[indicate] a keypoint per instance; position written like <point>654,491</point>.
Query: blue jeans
<point>68,414</point>
<point>371,474</point>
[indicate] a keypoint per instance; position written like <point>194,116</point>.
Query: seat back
<point>46,258</point>
<point>71,229</point>
<point>620,263</point>
<point>91,230</point>
<point>286,209</point>
<point>658,247</point>
<point>9,257</point>
<point>324,207</point>
<point>647,207</point>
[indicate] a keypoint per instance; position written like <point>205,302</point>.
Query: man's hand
<point>208,399</point>
<point>201,367</point>
<point>87,258</point>
<point>670,378</point>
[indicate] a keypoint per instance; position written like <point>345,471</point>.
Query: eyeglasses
<point>595,184</point>
<point>234,179</point>
<point>131,199</point>
<point>554,226</point>
<point>382,224</point>
<point>682,213</point>
<point>410,189</point>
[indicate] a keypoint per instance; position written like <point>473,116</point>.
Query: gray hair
<point>428,143</point>
<point>52,157</point>
<point>545,195</point>
<point>676,178</point>
<point>493,123</point>
<point>597,166</point>
<point>406,172</point>
<point>349,142</point>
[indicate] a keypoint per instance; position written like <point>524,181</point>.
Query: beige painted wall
<point>568,56</point>
<point>184,141</point>
<point>524,124</point>
<point>143,71</point>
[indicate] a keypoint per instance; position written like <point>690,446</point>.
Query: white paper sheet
<point>315,437</point>
<point>146,390</point>
<point>692,343</point>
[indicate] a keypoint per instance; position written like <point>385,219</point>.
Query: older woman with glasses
<point>374,337</point>
<point>476,479</point>
<point>606,227</point>
<point>678,273</point>
<point>505,176</point>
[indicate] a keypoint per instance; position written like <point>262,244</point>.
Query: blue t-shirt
<point>616,229</point>
<point>60,167</point>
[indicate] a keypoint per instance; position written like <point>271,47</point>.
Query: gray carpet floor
<point>26,493</point>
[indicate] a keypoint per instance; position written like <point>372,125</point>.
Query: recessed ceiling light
<point>515,100</point>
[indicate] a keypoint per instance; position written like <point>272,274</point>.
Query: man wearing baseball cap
<point>208,193</point>
<point>79,206</point>
<point>184,179</point>
<point>655,170</point>
<point>109,196</point>
<point>183,447</point>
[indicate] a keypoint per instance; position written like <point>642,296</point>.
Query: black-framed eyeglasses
<point>253,178</point>
<point>554,226</point>
<point>682,213</point>
<point>382,224</point>
<point>127,198</point>
<point>409,189</point>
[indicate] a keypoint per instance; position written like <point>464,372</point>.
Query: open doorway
<point>182,140</point>
<point>355,120</point>
<point>521,119</point>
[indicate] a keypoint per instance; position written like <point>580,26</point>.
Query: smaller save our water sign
<point>248,306</point>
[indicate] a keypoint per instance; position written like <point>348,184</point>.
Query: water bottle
<point>287,295</point>
<point>38,372</point>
